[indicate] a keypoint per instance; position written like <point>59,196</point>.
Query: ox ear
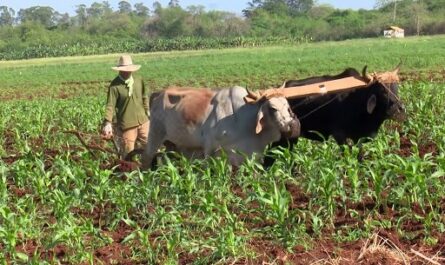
<point>259,121</point>
<point>372,102</point>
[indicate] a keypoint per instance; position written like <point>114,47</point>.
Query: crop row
<point>107,46</point>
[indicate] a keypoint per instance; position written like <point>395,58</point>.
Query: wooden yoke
<point>321,88</point>
<point>343,84</point>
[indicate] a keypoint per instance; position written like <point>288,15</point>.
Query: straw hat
<point>125,64</point>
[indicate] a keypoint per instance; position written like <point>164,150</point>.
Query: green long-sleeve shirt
<point>131,110</point>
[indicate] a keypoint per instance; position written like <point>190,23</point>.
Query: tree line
<point>294,19</point>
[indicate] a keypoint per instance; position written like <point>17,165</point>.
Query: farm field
<point>318,204</point>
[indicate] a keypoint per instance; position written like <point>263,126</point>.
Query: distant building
<point>394,32</point>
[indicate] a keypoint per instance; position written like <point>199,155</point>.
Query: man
<point>128,97</point>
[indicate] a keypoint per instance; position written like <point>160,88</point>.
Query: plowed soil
<point>385,247</point>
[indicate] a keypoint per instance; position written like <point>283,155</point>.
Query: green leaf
<point>438,174</point>
<point>131,236</point>
<point>22,256</point>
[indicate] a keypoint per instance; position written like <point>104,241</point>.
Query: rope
<point>390,92</point>
<point>318,108</point>
<point>378,78</point>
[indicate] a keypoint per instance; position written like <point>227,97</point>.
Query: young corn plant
<point>61,203</point>
<point>41,179</point>
<point>229,244</point>
<point>3,183</point>
<point>9,229</point>
<point>416,180</point>
<point>378,180</point>
<point>276,201</point>
<point>149,251</point>
<point>316,221</point>
<point>351,168</point>
<point>327,190</point>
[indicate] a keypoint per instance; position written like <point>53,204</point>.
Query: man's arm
<point>107,127</point>
<point>111,104</point>
<point>145,97</point>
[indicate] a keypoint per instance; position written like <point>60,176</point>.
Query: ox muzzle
<point>293,129</point>
<point>397,112</point>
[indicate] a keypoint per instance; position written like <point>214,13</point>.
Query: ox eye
<point>273,110</point>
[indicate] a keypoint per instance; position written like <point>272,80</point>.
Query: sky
<point>235,6</point>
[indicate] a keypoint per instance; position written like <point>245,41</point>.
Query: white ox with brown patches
<point>212,121</point>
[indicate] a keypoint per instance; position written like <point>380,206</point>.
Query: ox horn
<point>283,85</point>
<point>252,95</point>
<point>368,78</point>
<point>397,69</point>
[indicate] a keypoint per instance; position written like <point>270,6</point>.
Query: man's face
<point>125,75</point>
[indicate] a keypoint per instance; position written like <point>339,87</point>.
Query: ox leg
<point>211,150</point>
<point>208,151</point>
<point>156,138</point>
<point>348,145</point>
<point>361,152</point>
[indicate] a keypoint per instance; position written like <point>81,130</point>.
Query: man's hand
<point>107,130</point>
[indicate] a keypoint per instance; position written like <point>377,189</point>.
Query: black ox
<point>346,115</point>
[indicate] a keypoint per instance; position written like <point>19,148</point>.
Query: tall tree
<point>63,20</point>
<point>173,3</point>
<point>98,10</point>
<point>168,22</point>
<point>418,10</point>
<point>107,7</point>
<point>299,6</point>
<point>434,5</point>
<point>6,16</point>
<point>281,7</point>
<point>278,7</point>
<point>81,15</point>
<point>196,10</point>
<point>124,7</point>
<point>321,11</point>
<point>44,15</point>
<point>157,7</point>
<point>384,3</point>
<point>141,10</point>
<point>251,6</point>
